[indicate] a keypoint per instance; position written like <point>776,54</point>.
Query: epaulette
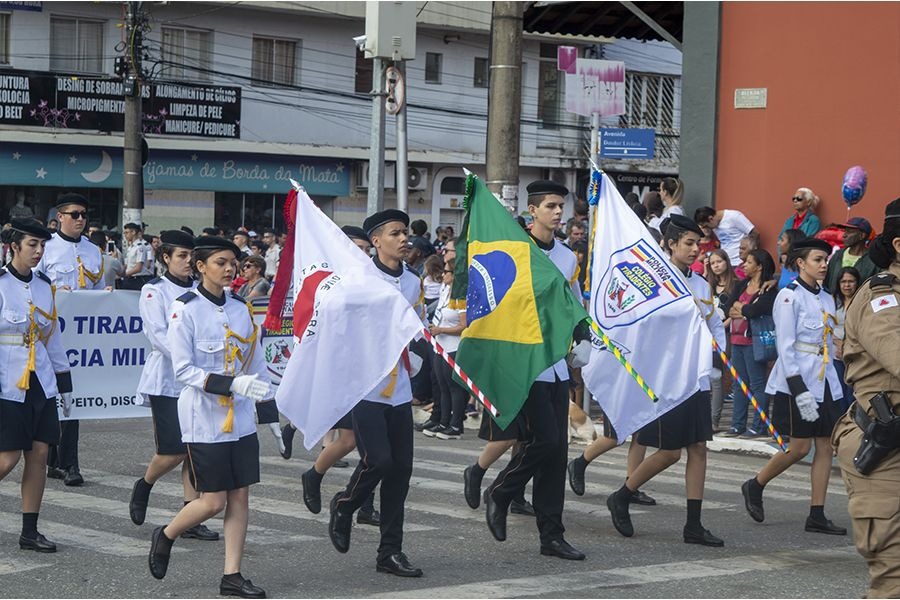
<point>154,281</point>
<point>238,297</point>
<point>885,279</point>
<point>791,286</point>
<point>411,270</point>
<point>186,297</point>
<point>41,275</point>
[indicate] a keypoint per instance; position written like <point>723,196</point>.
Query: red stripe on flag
<point>303,308</point>
<point>639,255</point>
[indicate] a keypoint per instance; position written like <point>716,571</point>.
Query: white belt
<point>12,339</point>
<point>809,348</point>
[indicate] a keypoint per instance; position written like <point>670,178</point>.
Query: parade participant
<point>71,262</point>
<point>867,438</point>
<point>382,420</point>
<point>158,387</point>
<point>33,370</point>
<point>344,443</point>
<point>599,447</point>
<point>138,258</point>
<point>804,382</point>
<point>688,425</point>
<point>216,356</point>
<point>546,411</point>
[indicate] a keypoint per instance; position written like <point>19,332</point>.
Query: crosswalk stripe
<point>10,566</point>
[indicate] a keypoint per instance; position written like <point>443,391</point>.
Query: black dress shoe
<point>287,438</point>
<point>639,497</point>
<point>521,507</point>
<point>753,505</point>
<point>368,517</point>
<point>339,527</point>
<point>38,544</point>
<point>200,532</point>
<point>312,491</point>
<point>397,564</point>
<point>137,506</point>
<point>73,477</point>
<point>561,549</point>
<point>701,536</point>
<point>246,589</point>
<point>54,473</point>
<point>159,554</point>
<point>618,509</point>
<point>576,475</point>
<point>472,487</point>
<point>495,516</point>
<point>826,526</point>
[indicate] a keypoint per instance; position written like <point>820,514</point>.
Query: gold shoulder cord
<point>33,336</point>
<point>828,329</point>
<point>233,352</point>
<point>84,272</point>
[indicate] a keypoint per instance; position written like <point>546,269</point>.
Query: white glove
<point>250,386</point>
<point>275,428</point>
<point>580,355</point>
<point>66,403</point>
<point>808,407</point>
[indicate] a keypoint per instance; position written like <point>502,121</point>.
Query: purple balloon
<point>854,186</point>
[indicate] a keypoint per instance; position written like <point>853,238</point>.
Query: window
<point>76,45</point>
<point>363,77</point>
<point>650,101</point>
<point>433,62</point>
<point>275,61</point>
<point>549,82</point>
<point>4,38</point>
<point>186,54</point>
<point>481,79</point>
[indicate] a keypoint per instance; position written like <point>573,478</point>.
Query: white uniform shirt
<point>706,303</point>
<point>273,255</point>
<point>800,316</point>
<point>197,341</point>
<point>60,263</point>
<point>158,377</point>
<point>733,226</point>
<point>444,316</point>
<point>139,252</point>
<point>410,286</point>
<point>567,263</point>
<point>16,298</point>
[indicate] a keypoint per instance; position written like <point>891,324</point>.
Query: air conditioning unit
<point>362,175</point>
<point>418,178</point>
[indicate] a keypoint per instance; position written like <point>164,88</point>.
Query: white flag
<point>641,301</point>
<point>351,326</point>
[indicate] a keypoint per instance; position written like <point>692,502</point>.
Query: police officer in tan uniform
<point>867,438</point>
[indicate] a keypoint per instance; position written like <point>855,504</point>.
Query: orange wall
<point>833,76</point>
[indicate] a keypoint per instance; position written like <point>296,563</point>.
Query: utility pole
<point>375,201</point>
<point>402,170</point>
<point>505,102</point>
<point>133,176</point>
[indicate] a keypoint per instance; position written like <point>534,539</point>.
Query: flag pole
<point>623,361</point>
<point>749,394</point>
<point>439,350</point>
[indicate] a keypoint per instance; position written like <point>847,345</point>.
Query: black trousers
<point>542,457</point>
<point>384,439</point>
<point>65,455</point>
<point>453,397</point>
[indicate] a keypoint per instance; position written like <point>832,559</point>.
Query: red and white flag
<point>351,326</point>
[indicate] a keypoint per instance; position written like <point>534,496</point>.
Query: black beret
<point>174,237</point>
<point>812,244</point>
<point>211,242</point>
<point>545,186</point>
<point>355,233</point>
<point>892,210</point>
<point>386,216</point>
<point>71,198</point>
<point>683,223</point>
<point>31,227</point>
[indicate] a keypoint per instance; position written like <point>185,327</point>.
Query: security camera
<point>360,41</point>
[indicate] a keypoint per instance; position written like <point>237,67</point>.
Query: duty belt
<point>13,339</point>
<point>809,348</point>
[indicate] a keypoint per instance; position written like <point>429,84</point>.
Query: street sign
<point>626,143</point>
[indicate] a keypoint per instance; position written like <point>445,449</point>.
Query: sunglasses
<point>77,214</point>
<point>246,267</point>
<point>797,199</point>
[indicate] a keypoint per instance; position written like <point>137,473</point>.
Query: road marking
<point>10,566</point>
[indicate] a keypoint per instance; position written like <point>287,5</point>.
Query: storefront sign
<point>639,183</point>
<point>72,102</point>
<point>23,5</point>
<point>86,166</point>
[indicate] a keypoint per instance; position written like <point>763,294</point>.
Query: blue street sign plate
<point>626,143</point>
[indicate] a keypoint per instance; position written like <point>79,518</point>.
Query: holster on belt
<point>881,435</point>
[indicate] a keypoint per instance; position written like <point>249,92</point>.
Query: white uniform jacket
<point>75,263</point>
<point>140,252</point>
<point>707,304</point>
<point>567,263</point>
<point>200,345</point>
<point>410,285</point>
<point>158,377</point>
<point>804,319</point>
<point>16,336</point>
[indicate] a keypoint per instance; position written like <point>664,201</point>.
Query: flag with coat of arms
<point>350,325</point>
<point>643,304</point>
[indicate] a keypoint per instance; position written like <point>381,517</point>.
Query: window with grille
<point>186,54</point>
<point>480,78</point>
<point>433,63</point>
<point>650,101</point>
<point>275,61</point>
<point>549,83</point>
<point>4,38</point>
<point>76,45</point>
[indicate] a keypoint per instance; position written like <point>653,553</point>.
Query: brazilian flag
<point>520,309</point>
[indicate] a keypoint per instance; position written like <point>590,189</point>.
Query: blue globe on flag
<point>491,275</point>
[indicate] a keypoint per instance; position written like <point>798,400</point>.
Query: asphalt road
<point>102,554</point>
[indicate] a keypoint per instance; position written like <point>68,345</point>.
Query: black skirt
<point>345,422</point>
<point>34,420</point>
<point>489,431</point>
<point>786,416</point>
<point>224,466</point>
<point>166,427</point>
<point>688,423</point>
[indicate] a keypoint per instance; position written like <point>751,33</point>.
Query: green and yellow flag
<point>520,309</point>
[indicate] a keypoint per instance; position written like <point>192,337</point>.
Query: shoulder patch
<point>186,297</point>
<point>40,275</point>
<point>885,279</point>
<point>238,297</point>
<point>410,269</point>
<point>791,286</point>
<point>882,302</point>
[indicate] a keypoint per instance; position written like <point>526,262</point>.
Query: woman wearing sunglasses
<point>805,203</point>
